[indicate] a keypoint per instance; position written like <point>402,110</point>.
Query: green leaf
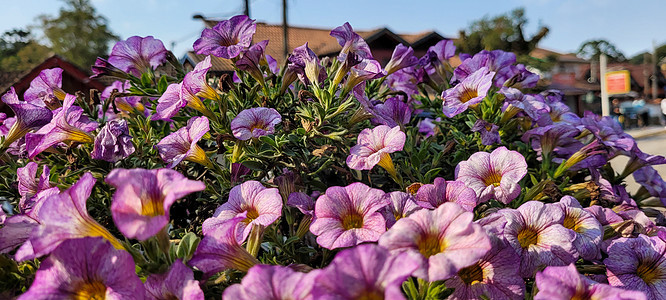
<point>162,84</point>
<point>145,79</point>
<point>430,175</point>
<point>187,245</point>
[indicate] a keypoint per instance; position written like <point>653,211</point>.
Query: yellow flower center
<point>352,220</point>
<point>570,223</point>
<point>527,237</point>
<point>493,178</point>
<point>414,187</point>
<point>90,290</point>
<point>648,272</point>
<point>252,214</point>
<point>468,94</point>
<point>152,207</point>
<point>471,275</point>
<point>430,245</point>
<point>371,295</point>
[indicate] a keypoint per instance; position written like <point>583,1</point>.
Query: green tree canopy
<point>78,33</point>
<point>592,49</point>
<point>640,58</point>
<point>19,51</point>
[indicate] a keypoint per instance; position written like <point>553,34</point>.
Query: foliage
<point>592,49</point>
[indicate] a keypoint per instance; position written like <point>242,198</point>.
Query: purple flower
<point>489,132</point>
<point>563,283</point>
<point>609,133</point>
<point>517,76</point>
<point>238,171</point>
<point>177,283</point>
<point>365,272</point>
<point>87,268</point>
<point>195,85</point>
<point>402,57</point>
<point>558,139</point>
<point>103,67</point>
<point>305,64</point>
<point>219,249</point>
<point>446,239</point>
<point>638,264</point>
<point>141,204</point>
<point>352,43</point>
<point>651,181</point>
<point>27,117</point>
<point>640,159</point>
<point>435,61</point>
<point>170,103</point>
<point>260,205</point>
<point>304,203</point>
<point>68,124</point>
<point>272,283</point>
<point>494,276</point>
<point>65,216</point>
<point>182,144</point>
<point>138,54</point>
<point>495,61</point>
<point>128,104</point>
<point>28,187</point>
<point>226,39</point>
<point>535,233</point>
<point>348,216</point>
<point>533,106</point>
<point>493,175</point>
<point>374,147</point>
<point>392,112</point>
<point>46,88</point>
<point>251,59</point>
<point>255,122</point>
<point>400,205</point>
<point>113,142</point>
<point>588,231</point>
<point>431,196</point>
<point>365,70</point>
<point>470,91</point>
<point>427,127</point>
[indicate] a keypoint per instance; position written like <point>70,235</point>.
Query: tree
<point>19,51</point>
<point>592,49</point>
<point>78,33</point>
<point>640,58</point>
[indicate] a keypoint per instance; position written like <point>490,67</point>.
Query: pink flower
<point>374,146</point>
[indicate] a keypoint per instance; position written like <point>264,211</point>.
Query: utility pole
<point>654,70</point>
<point>285,33</point>
<point>605,106</point>
<point>246,11</point>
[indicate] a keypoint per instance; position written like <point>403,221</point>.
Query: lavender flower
<point>219,249</point>
<point>28,187</point>
<point>638,264</point>
<point>493,175</point>
<point>588,230</point>
<point>113,142</point>
<point>554,141</point>
<point>251,59</point>
<point>445,239</point>
<point>374,147</point>
<point>304,203</point>
<point>368,271</point>
<point>470,91</point>
<point>489,132</point>
<point>138,54</point>
<point>495,61</point>
<point>517,76</point>
<point>68,124</point>
<point>427,127</point>
<point>103,67</point>
<point>226,39</point>
<point>128,104</point>
<point>392,112</point>
<point>261,206</point>
<point>255,122</point>
<point>402,57</point>
<point>431,196</point>
<point>141,204</point>
<point>435,61</point>
<point>195,85</point>
<point>305,64</point>
<point>182,144</point>
<point>400,205</point>
<point>652,182</point>
<point>535,233</point>
<point>46,88</point>
<point>272,283</point>
<point>27,117</point>
<point>352,44</point>
<point>348,216</point>
<point>177,283</point>
<point>87,268</point>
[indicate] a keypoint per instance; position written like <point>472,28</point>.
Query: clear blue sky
<point>630,25</point>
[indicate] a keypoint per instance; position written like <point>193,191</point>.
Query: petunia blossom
<point>46,88</point>
<point>638,264</point>
<point>138,54</point>
<point>304,63</point>
<point>251,59</point>
<point>272,283</point>
<point>27,117</point>
<point>366,271</point>
<point>262,207</point>
<point>113,142</point>
<point>589,232</point>
<point>493,175</point>
<point>402,57</point>
<point>182,144</point>
<point>142,200</point>
<point>86,268</point>
<point>441,191</point>
<point>435,61</point>
<point>177,283</point>
<point>347,216</point>
<point>374,147</point>
<point>352,43</point>
<point>400,205</point>
<point>489,132</point>
<point>28,186</point>
<point>445,239</point>
<point>470,91</point>
<point>227,38</point>
<point>255,122</point>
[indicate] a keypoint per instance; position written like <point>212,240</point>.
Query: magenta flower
<point>261,205</point>
<point>177,283</point>
<point>141,204</point>
<point>68,124</point>
<point>305,64</point>
<point>226,39</point>
<point>431,196</point>
<point>27,117</point>
<point>348,216</point>
<point>103,67</point>
<point>352,43</point>
<point>138,54</point>
<point>445,239</point>
<point>219,249</point>
<point>589,232</point>
<point>187,93</point>
<point>564,283</point>
<point>182,144</point>
<point>493,175</point>
<point>494,276</point>
<point>46,88</point>
<point>470,91</point>
<point>250,61</point>
<point>28,187</point>
<point>272,283</point>
<point>365,70</point>
<point>400,205</point>
<point>87,268</point>
<point>638,264</point>
<point>113,142</point>
<point>489,132</point>
<point>402,57</point>
<point>255,122</point>
<point>374,147</point>
<point>535,233</point>
<point>365,272</point>
<point>128,104</point>
<point>65,216</point>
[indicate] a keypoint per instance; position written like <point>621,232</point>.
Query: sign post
<point>605,105</point>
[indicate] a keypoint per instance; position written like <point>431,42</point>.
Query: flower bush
<point>266,185</point>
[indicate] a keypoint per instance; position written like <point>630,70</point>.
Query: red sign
<point>618,82</point>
